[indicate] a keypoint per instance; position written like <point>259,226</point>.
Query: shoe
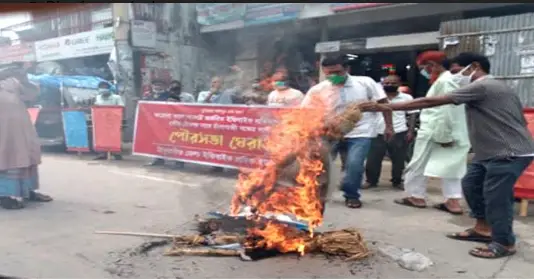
<point>117,157</point>
<point>399,186</point>
<point>368,185</point>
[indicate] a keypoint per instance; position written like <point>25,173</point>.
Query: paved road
<point>56,240</point>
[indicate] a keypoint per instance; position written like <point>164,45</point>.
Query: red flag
<point>107,122</point>
<point>34,113</point>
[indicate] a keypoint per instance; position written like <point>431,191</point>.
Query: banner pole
<point>109,155</point>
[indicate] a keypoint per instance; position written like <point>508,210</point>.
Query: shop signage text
<point>78,45</point>
<point>264,13</point>
<point>340,7</point>
<point>17,53</point>
<point>216,13</point>
<point>143,34</point>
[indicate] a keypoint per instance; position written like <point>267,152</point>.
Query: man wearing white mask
<point>106,98</point>
<point>441,145</point>
<point>503,150</point>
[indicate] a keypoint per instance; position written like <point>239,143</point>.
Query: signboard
<point>17,53</point>
<point>107,134</point>
<point>216,13</point>
<point>83,44</point>
<point>143,33</point>
<point>341,7</point>
<point>325,47</point>
<point>227,136</point>
<point>75,129</point>
<point>264,13</point>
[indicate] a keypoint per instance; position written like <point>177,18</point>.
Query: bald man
<point>396,147</point>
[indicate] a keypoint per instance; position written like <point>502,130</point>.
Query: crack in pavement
<point>501,268</point>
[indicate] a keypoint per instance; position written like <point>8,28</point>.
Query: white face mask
<point>462,80</point>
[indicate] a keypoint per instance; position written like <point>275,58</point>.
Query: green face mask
<point>280,83</point>
<point>336,79</point>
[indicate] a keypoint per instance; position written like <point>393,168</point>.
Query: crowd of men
<point>465,107</point>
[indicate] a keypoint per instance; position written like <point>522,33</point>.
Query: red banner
<point>34,114</point>
<point>107,122</point>
<point>228,136</point>
<point>524,188</point>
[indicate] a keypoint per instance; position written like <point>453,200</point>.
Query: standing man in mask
<point>283,95</point>
<point>335,94</point>
<point>177,95</point>
<point>503,150</point>
<point>158,93</point>
<point>398,145</point>
<point>106,98</point>
<point>442,142</point>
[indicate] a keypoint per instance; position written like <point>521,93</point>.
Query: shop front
<point>85,53</point>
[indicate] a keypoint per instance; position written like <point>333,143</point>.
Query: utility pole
<point>324,38</point>
<point>125,64</point>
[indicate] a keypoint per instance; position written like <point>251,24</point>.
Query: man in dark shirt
<point>503,149</point>
<point>158,92</point>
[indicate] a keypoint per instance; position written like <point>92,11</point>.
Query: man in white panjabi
<point>442,142</point>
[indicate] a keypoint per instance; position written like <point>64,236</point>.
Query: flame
<point>296,135</point>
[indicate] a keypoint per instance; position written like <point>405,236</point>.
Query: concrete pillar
<point>125,78</point>
<point>324,38</point>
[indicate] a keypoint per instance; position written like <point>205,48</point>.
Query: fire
<point>296,136</point>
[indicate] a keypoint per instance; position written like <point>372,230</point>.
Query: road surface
<point>56,240</point>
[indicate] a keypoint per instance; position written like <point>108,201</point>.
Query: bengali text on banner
<point>107,122</point>
<point>229,136</point>
<point>75,129</point>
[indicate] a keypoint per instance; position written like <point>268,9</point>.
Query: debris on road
<point>406,258</point>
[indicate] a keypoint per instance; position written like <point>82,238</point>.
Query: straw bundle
<point>347,243</point>
<point>343,123</point>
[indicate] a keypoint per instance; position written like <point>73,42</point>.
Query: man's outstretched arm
<point>422,103</point>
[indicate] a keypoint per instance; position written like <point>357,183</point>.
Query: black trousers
<point>396,149</point>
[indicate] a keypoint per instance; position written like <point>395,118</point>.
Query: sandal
<point>11,203</point>
<point>472,236</point>
<point>353,203</point>
<point>38,197</point>
<point>408,202</point>
<point>443,207</point>
<point>494,250</point>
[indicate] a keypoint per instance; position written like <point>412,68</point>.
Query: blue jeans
<point>488,188</point>
<point>357,149</point>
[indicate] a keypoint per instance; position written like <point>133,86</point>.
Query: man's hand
<point>389,133</point>
<point>447,145</point>
<point>409,136</point>
<point>235,68</point>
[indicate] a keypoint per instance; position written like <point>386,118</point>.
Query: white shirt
<point>355,90</point>
<point>289,97</point>
<point>398,117</point>
<point>111,100</point>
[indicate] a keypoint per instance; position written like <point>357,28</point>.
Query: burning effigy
<point>277,207</point>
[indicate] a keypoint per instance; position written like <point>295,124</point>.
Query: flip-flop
<point>443,207</point>
<point>471,236</point>
<point>408,202</point>
<point>496,250</point>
